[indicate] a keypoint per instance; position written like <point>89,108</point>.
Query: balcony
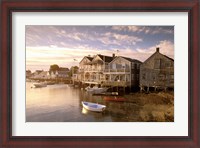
<point>116,83</point>
<point>93,70</point>
<point>116,70</point>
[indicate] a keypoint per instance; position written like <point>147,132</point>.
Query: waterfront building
<point>28,73</point>
<point>109,71</point>
<point>91,69</point>
<point>40,75</point>
<point>60,73</point>
<point>122,71</point>
<point>157,72</point>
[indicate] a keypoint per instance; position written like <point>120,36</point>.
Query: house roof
<point>107,59</point>
<point>63,69</point>
<point>167,57</point>
<point>131,60</point>
<point>62,72</point>
<point>160,54</point>
<point>41,75</point>
<point>126,58</point>
<point>89,58</point>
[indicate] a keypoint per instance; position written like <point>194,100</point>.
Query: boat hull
<point>106,94</point>
<point>50,83</point>
<point>39,85</point>
<point>93,106</point>
<point>96,90</point>
<point>117,99</point>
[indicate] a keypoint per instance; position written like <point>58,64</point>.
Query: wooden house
<point>157,72</point>
<point>91,69</point>
<point>60,73</point>
<point>122,71</point>
<point>84,66</point>
<point>28,73</point>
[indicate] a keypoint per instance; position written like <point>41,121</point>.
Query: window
<point>157,63</point>
<point>144,76</point>
<point>132,65</point>
<point>161,77</point>
<point>123,65</point>
<point>167,64</point>
<point>113,66</point>
<point>132,76</point>
<point>153,76</point>
<point>137,76</point>
<point>135,66</point>
<point>138,66</point>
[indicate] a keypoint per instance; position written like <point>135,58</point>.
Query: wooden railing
<point>116,83</point>
<point>117,70</point>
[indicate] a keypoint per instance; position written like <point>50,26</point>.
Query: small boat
<point>39,85</point>
<point>76,86</point>
<point>70,85</point>
<point>106,94</point>
<point>93,106</point>
<point>95,89</point>
<point>117,99</point>
<point>50,83</point>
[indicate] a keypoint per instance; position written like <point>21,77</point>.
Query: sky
<point>67,45</point>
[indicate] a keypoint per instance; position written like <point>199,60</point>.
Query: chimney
<point>157,49</point>
<point>113,55</point>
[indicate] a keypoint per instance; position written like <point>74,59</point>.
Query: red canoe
<point>118,99</point>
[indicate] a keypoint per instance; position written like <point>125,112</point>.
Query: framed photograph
<point>99,73</point>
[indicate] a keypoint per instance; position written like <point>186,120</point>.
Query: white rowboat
<point>93,106</point>
<point>95,89</point>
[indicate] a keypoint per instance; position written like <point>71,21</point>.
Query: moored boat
<point>50,83</point>
<point>95,90</point>
<point>106,94</point>
<point>117,99</point>
<point>93,106</point>
<point>39,85</point>
<point>70,85</point>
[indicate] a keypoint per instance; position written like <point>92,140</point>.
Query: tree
<point>53,68</point>
<point>73,70</point>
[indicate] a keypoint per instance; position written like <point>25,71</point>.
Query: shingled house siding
<point>157,71</point>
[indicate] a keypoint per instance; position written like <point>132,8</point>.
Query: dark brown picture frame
<point>9,6</point>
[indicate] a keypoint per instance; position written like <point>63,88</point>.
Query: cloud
<point>166,48</point>
<point>46,56</point>
<point>118,39</point>
<point>47,45</point>
<point>145,29</point>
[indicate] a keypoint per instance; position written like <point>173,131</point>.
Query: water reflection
<point>60,103</point>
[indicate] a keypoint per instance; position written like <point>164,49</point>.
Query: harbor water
<point>61,103</point>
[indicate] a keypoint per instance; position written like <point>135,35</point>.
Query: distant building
<point>61,73</point>
<point>36,73</point>
<point>157,72</point>
<point>40,75</point>
<point>63,69</point>
<point>28,73</point>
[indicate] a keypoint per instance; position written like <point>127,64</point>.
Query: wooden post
<point>155,88</point>
<point>141,88</point>
<point>165,89</point>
